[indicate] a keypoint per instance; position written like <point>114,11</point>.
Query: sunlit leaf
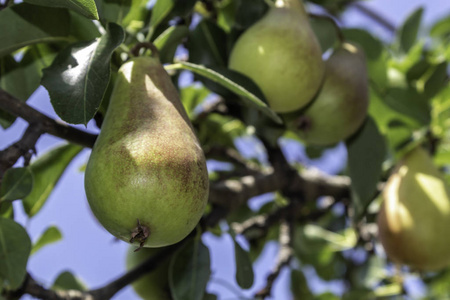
<point>79,76</point>
<point>47,170</point>
<point>67,281</point>
<point>168,41</point>
<point>30,24</point>
<point>85,7</point>
<point>49,236</point>
<point>247,96</point>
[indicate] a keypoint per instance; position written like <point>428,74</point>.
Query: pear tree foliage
<point>323,222</point>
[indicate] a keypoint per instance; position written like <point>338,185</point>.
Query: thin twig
<point>36,290</point>
<point>258,226</point>
<point>33,288</point>
<point>284,257</point>
<point>311,183</point>
<point>233,156</point>
<point>25,147</point>
<point>20,109</point>
<point>376,17</point>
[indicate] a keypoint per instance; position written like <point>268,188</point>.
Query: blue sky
<point>90,252</point>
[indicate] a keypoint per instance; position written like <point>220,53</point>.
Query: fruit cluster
<point>147,163</point>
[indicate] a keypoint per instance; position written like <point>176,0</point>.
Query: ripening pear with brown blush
<point>414,219</point>
<point>341,106</point>
<point>281,54</point>
<point>146,180</point>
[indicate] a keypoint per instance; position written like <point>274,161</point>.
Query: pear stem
<point>291,4</point>
<point>146,45</point>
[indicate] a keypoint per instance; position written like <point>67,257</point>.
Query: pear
<point>414,218</point>
<point>155,284</point>
<point>146,179</point>
<point>281,54</point>
<point>341,106</point>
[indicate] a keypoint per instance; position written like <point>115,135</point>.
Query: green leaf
<point>47,170</point>
<point>182,8</point>
<point>51,235</point>
<point>249,12</point>
<point>244,268</point>
<point>437,80</point>
<point>410,103</point>
<point>31,24</point>
<point>15,247</point>
<point>226,14</point>
<point>191,96</point>
<point>16,184</point>
<point>369,274</point>
<point>168,41</point>
<point>372,47</point>
<point>189,271</point>
<point>407,34</point>
<point>113,10</point>
<point>12,78</point>
<point>160,10</point>
<point>6,210</point>
<point>79,76</point>
<point>418,70</point>
<point>325,31</point>
<point>248,97</point>
<point>218,129</point>
<point>316,246</point>
<point>366,153</point>
<point>344,240</point>
<point>67,281</point>
<point>81,28</point>
<point>327,296</point>
<point>393,289</point>
<point>138,12</point>
<point>209,296</point>
<point>22,78</point>
<point>299,286</point>
<point>441,27</point>
<point>86,8</point>
<point>207,44</point>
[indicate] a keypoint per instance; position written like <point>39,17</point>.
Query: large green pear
<point>341,106</point>
<point>146,179</point>
<point>155,284</point>
<point>414,219</point>
<point>281,54</point>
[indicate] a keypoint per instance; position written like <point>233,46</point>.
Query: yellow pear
<point>414,219</point>
<point>281,54</point>
<point>146,179</point>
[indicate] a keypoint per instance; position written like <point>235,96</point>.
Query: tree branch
<point>233,156</point>
<point>233,193</point>
<point>53,127</point>
<point>284,257</point>
<point>376,17</point>
<point>35,289</point>
<point>24,147</point>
